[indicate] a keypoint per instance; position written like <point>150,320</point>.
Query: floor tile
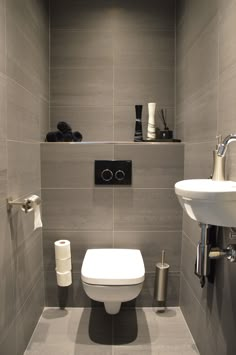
<point>87,331</point>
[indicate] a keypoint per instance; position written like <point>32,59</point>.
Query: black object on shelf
<point>138,135</point>
<point>166,134</point>
<point>164,140</point>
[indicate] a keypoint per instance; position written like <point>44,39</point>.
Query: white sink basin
<point>208,201</point>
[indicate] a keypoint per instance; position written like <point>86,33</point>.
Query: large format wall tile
<point>154,166</point>
<point>94,123</point>
<point>77,209</point>
<point>83,87</point>
<point>148,85</point>
<point>144,48</point>
<point>29,266</point>
<point>27,318</point>
<point>71,165</point>
<point>23,168</point>
<point>8,297</point>
<point>152,15</point>
<point>3,121</point>
<point>25,63</point>
<point>22,114</point>
<point>3,172</point>
<point>24,97</point>
<point>146,210</point>
<point>89,15</point>
<point>81,49</point>
<point>43,119</point>
<point>2,37</point>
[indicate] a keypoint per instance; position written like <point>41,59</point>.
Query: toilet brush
<point>161,282</point>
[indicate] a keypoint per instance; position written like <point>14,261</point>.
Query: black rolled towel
<point>54,137</point>
<point>68,137</point>
<point>77,136</point>
<point>64,127</point>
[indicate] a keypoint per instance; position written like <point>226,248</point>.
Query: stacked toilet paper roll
<point>63,262</point>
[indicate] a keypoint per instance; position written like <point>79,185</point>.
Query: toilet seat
<point>113,267</point>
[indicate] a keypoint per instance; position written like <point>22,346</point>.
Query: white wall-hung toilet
<point>112,276</point>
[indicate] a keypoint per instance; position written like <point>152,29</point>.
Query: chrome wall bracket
<point>26,204</point>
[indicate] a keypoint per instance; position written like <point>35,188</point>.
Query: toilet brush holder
<point>161,283</point>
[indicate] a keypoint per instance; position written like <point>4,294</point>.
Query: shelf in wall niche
<point>157,142</point>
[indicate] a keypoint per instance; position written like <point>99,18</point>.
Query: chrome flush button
<point>120,175</point>
<point>106,175</point>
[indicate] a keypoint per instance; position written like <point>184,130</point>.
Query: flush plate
<point>113,172</point>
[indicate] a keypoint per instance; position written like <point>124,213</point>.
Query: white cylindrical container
<point>63,265</point>
<point>64,279</point>
<point>62,249</point>
<point>151,130</point>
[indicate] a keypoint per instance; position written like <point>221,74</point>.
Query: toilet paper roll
<point>64,279</point>
<point>62,249</point>
<point>63,265</point>
<point>35,204</point>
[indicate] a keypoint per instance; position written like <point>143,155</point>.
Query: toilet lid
<point>113,267</point>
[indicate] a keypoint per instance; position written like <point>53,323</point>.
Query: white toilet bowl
<point>112,276</point>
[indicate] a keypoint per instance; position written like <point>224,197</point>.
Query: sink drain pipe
<point>205,252</point>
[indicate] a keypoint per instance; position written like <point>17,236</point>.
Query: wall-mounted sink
<point>208,201</point>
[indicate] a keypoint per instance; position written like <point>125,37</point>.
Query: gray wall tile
<point>43,119</point>
<point>146,210</point>
<point>227,84</point>
<point>81,15</point>
<point>23,168</point>
<point>80,209</point>
<point>28,316</point>
<point>29,266</point>
<point>83,87</point>
<point>8,344</point>
<point>154,166</point>
<point>8,297</point>
<point>81,49</point>
<point>201,153</point>
<point>155,15</point>
<point>24,78</point>
<point>148,85</point>
<point>144,48</point>
<point>71,166</point>
<point>8,243</point>
<point>25,63</point>
<point>2,37</point>
<point>227,49</point>
<point>22,114</point>
<point>3,121</point>
<point>3,173</point>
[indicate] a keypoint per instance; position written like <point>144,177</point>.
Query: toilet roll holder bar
<point>26,204</point>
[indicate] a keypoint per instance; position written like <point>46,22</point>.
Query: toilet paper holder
<point>26,204</point>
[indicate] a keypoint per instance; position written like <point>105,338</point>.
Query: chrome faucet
<point>222,147</point>
<point>219,157</point>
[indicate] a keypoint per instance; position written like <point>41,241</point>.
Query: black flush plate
<point>113,172</point>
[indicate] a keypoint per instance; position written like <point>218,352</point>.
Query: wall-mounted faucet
<point>219,157</point>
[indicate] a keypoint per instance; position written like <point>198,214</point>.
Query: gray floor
<point>82,331</point>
